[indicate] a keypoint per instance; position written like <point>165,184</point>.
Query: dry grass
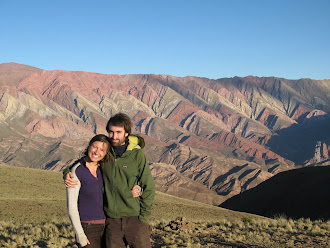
<point>33,214</point>
<point>272,233</point>
<point>37,196</point>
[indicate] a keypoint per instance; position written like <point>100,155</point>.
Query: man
<point>127,217</point>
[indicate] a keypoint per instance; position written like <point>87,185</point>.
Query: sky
<point>203,38</point>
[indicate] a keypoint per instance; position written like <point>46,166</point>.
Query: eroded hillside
<point>207,140</point>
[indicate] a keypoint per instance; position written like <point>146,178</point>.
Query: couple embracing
<point>110,190</point>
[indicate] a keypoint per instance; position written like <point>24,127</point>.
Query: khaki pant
<point>127,231</point>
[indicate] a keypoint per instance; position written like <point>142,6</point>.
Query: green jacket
<point>120,175</point>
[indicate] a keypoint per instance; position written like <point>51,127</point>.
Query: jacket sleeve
<point>147,184</point>
<point>72,204</point>
<point>66,170</point>
<point>69,167</point>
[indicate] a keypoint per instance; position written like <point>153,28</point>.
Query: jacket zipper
<point>113,186</point>
<point>115,202</point>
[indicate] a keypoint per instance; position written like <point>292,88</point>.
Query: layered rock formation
<point>207,139</point>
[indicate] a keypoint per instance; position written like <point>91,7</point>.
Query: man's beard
<point>118,142</point>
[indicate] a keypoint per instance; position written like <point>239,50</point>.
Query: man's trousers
<point>127,231</point>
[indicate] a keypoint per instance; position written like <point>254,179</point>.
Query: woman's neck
<point>92,167</point>
<point>90,163</point>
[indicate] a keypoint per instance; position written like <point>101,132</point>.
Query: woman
<point>85,201</point>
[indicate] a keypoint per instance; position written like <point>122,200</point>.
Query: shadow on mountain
<point>297,142</point>
<point>51,164</point>
<point>298,193</point>
<point>225,176</point>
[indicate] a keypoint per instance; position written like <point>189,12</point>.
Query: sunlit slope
<point>34,195</point>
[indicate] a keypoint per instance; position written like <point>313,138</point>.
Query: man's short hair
<point>120,120</point>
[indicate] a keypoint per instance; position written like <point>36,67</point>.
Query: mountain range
<point>207,140</point>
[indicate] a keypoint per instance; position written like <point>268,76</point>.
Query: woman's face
<point>97,151</point>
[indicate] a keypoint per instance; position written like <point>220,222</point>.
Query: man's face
<point>117,135</point>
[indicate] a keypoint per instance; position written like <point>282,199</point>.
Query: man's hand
<point>136,191</point>
<point>68,181</point>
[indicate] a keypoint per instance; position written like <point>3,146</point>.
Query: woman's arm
<point>72,204</point>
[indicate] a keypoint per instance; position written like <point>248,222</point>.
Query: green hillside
<point>34,195</point>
